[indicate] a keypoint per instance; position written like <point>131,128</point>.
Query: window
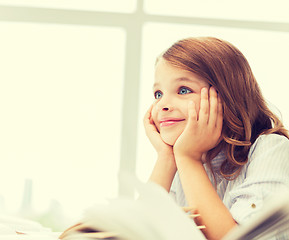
<point>257,10</point>
<point>60,102</point>
<point>90,5</point>
<point>76,79</point>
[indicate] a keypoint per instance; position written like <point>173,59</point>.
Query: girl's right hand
<point>165,167</point>
<point>154,135</point>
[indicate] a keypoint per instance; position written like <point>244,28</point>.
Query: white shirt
<point>265,173</point>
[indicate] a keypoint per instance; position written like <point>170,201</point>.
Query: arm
<point>164,171</point>
<point>201,134</point>
<point>201,194</point>
<point>266,174</point>
<point>165,167</point>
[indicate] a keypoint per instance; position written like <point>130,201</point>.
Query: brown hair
<point>246,114</point>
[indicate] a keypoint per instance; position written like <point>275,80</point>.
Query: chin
<point>169,139</point>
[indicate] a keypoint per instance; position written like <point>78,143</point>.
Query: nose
<point>165,108</point>
<point>164,105</point>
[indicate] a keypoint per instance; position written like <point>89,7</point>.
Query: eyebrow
<point>184,79</point>
<point>181,79</point>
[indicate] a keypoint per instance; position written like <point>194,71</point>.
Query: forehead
<point>167,73</point>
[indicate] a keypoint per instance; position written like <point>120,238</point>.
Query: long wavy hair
<point>246,114</point>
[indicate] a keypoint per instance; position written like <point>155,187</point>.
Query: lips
<point>170,122</point>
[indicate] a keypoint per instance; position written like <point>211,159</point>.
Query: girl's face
<point>173,89</point>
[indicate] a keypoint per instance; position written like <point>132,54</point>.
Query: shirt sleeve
<point>265,174</point>
<point>177,192</point>
<point>173,190</point>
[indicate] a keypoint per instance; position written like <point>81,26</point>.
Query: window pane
<point>267,53</point>
<point>257,10</point>
<point>60,105</point>
<point>90,5</point>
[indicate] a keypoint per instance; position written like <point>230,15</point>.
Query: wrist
<point>167,160</point>
<point>164,171</point>
<point>166,154</point>
<point>183,159</point>
<point>193,155</point>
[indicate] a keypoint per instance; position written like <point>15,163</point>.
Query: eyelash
<point>155,94</point>
<point>179,90</point>
<point>183,87</point>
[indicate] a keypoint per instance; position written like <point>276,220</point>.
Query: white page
<point>153,216</point>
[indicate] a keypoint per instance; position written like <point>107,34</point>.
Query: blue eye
<point>184,90</point>
<point>158,94</point>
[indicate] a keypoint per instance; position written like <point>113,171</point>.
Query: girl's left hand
<point>202,132</point>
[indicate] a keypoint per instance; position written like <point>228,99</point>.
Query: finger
<point>191,210</point>
<point>149,123</point>
<point>213,107</point>
<point>70,229</point>
<point>192,113</point>
<point>219,122</point>
<point>204,106</point>
<point>147,115</point>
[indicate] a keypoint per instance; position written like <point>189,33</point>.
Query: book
<point>18,228</point>
<point>154,215</point>
<point>151,215</point>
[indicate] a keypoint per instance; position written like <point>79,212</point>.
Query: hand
<point>154,135</point>
<point>202,132</point>
<point>85,231</point>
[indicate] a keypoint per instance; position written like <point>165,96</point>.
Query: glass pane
<point>90,5</point>
<point>60,105</point>
<point>267,53</point>
<point>257,10</point>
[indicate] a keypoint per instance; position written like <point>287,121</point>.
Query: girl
<point>220,149</point>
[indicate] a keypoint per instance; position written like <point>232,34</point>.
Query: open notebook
<point>16,228</point>
<point>152,216</point>
<point>155,216</point>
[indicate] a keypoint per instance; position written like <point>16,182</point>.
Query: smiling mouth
<point>168,123</point>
